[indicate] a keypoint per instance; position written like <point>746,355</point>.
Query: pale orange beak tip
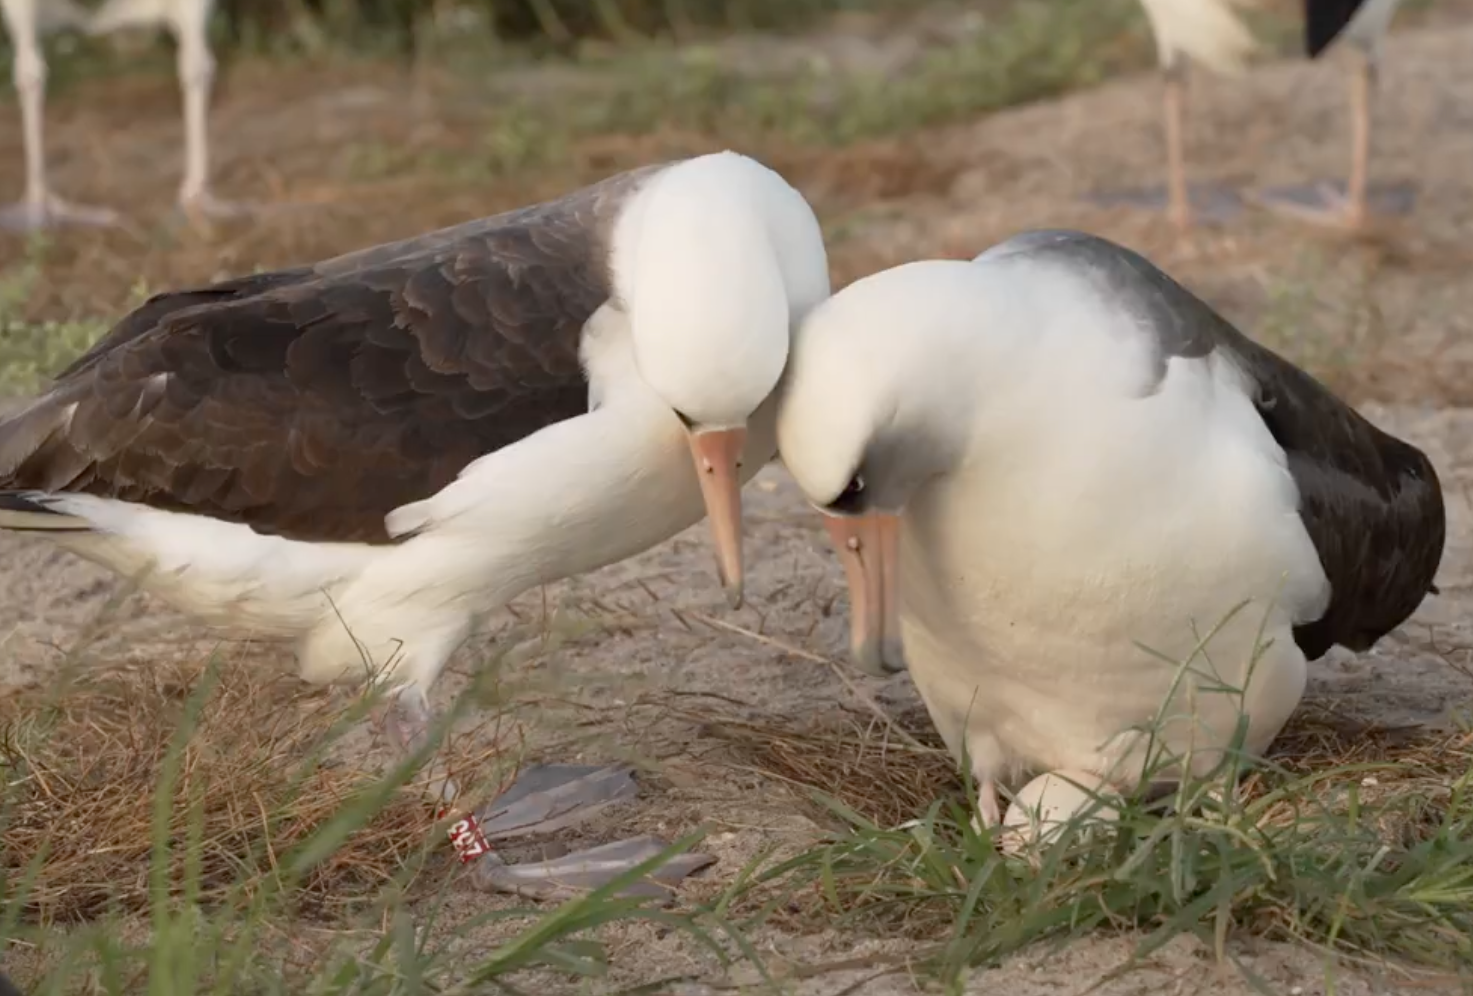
<point>868,547</point>
<point>717,455</point>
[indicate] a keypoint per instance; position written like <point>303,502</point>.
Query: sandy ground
<point>1388,317</point>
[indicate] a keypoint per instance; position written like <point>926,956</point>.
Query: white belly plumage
<point>1032,587</point>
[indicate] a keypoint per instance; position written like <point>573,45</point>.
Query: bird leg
<point>1361,82</point>
<point>1320,202</point>
<point>544,799</point>
<point>1182,203</point>
<point>40,208</point>
<point>196,65</point>
<point>989,812</point>
<point>1179,207</point>
<point>408,726</point>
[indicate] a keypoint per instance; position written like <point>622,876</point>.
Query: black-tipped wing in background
<point>1323,22</point>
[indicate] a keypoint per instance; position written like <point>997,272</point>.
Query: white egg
<point>1048,802</point>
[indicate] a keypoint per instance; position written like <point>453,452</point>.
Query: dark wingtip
<point>1324,20</point>
<point>23,501</point>
<point>23,512</point>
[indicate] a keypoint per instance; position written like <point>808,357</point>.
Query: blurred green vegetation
<point>379,27</point>
<point>556,22</point>
<point>436,29</point>
<point>1029,52</point>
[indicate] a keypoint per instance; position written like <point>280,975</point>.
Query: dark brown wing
<point>1371,502</point>
<point>310,402</point>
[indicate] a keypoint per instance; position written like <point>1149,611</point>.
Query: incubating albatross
<point>188,21</point>
<point>372,453</point>
<point>1042,460</point>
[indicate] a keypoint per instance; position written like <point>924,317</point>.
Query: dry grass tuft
<point>850,757</point>
<point>1352,837</point>
<point>1401,778</point>
<point>256,779</point>
<point>859,762</point>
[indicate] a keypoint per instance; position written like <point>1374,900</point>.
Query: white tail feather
<point>1206,31</point>
<point>41,522</point>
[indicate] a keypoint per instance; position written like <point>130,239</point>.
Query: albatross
<point>370,454</point>
<point>1039,462</point>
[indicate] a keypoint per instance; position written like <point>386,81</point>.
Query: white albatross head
<point>877,401</point>
<point>714,262</point>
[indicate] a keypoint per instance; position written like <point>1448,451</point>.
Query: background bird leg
<point>1321,202</point>
<point>1361,82</point>
<point>39,208</point>
<point>196,78</point>
<point>1182,203</point>
<point>1179,207</point>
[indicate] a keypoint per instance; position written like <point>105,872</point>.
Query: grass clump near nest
<point>254,782</point>
<point>207,828</point>
<point>1354,839</point>
<point>855,762</point>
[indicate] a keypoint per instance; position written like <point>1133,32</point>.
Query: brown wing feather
<point>1372,504</point>
<point>311,402</point>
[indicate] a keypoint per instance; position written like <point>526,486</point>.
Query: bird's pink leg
<point>988,807</point>
<point>1360,149</point>
<point>1179,206</point>
<point>196,78</point>
<point>1320,202</point>
<point>407,723</point>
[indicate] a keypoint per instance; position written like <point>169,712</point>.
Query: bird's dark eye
<point>851,499</point>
